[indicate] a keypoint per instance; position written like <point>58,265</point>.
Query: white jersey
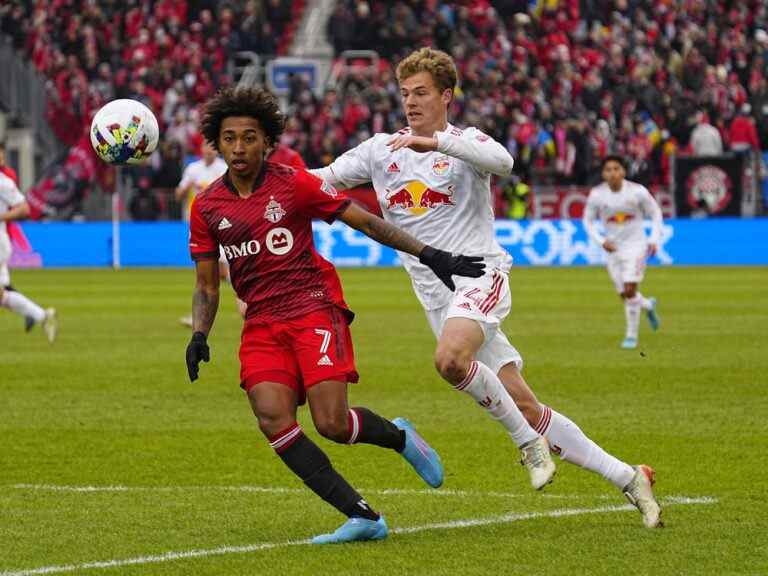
<point>442,198</point>
<point>200,175</point>
<point>622,215</point>
<point>9,197</point>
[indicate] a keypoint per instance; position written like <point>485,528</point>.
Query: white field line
<point>223,550</point>
<point>285,490</point>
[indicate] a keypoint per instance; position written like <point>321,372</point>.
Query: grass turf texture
<point>110,405</point>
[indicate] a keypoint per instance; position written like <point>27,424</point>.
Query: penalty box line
<point>223,550</point>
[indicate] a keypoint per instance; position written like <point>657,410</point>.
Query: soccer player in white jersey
<point>196,178</point>
<point>433,180</point>
<point>198,175</point>
<point>621,205</point>
<point>13,206</point>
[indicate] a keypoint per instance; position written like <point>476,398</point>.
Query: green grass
<point>110,405</point>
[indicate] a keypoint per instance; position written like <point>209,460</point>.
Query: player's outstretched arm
<point>443,264</point>
<point>205,303</point>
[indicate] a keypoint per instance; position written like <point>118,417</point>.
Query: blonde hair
<point>436,62</point>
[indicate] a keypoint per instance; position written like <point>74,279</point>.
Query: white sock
<point>486,388</point>
<point>632,313</point>
<point>567,439</point>
<point>645,303</point>
<point>17,302</point>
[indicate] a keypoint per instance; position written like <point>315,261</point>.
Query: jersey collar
<point>258,182</point>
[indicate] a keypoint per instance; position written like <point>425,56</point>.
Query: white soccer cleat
<point>640,493</point>
<point>535,456</point>
<point>629,343</point>
<point>186,321</point>
<point>50,324</point>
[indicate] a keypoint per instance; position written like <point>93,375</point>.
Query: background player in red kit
<point>296,343</point>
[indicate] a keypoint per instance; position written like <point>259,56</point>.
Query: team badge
<point>441,166</point>
<point>709,188</point>
<point>274,212</point>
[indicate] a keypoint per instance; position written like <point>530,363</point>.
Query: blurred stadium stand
<point>560,82</point>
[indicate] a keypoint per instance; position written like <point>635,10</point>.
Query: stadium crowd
<point>564,82</point>
<point>560,82</point>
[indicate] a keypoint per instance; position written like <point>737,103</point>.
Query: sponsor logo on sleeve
<point>328,189</point>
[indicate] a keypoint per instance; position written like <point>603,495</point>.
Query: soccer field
<point>111,462</point>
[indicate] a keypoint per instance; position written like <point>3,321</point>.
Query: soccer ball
<point>124,132</point>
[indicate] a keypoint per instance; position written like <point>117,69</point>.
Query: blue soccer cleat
<point>629,343</point>
<point>653,317</point>
<point>420,455</point>
<point>355,530</point>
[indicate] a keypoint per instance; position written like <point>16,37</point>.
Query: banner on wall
<point>565,202</point>
<point>719,241</point>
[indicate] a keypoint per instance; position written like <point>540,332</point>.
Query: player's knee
<point>333,427</point>
<point>271,425</point>
<point>629,292</point>
<point>451,365</point>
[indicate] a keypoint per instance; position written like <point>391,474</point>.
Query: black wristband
<point>427,253</point>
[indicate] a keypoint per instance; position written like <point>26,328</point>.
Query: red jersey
<point>267,240</point>
<point>284,155</point>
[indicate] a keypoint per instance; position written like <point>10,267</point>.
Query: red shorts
<point>299,352</point>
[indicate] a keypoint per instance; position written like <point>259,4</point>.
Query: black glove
<point>444,265</point>
<point>197,350</point>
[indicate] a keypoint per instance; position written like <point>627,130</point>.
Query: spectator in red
<point>742,134</point>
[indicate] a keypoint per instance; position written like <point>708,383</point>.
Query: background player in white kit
<point>433,180</point>
<point>621,205</point>
<point>197,176</point>
<point>13,206</point>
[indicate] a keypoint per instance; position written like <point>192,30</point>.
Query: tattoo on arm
<point>392,236</point>
<point>204,306</point>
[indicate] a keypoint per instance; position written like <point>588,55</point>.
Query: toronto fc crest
<point>274,211</point>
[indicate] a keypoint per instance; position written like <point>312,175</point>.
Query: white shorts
<point>626,266</point>
<point>487,300</point>
<point>5,256</point>
<point>5,275</point>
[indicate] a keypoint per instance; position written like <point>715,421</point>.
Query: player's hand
<point>197,350</point>
<point>609,246</point>
<point>444,265</point>
<point>652,249</point>
<point>415,143</point>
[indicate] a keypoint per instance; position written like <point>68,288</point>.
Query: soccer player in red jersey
<point>282,154</point>
<point>296,345</point>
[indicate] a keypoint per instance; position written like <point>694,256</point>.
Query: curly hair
<point>257,103</point>
<point>614,158</point>
<point>439,65</point>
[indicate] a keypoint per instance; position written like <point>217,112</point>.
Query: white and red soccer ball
<point>124,132</point>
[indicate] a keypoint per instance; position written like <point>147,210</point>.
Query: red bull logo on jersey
<point>441,166</point>
<point>621,218</point>
<point>417,198</point>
